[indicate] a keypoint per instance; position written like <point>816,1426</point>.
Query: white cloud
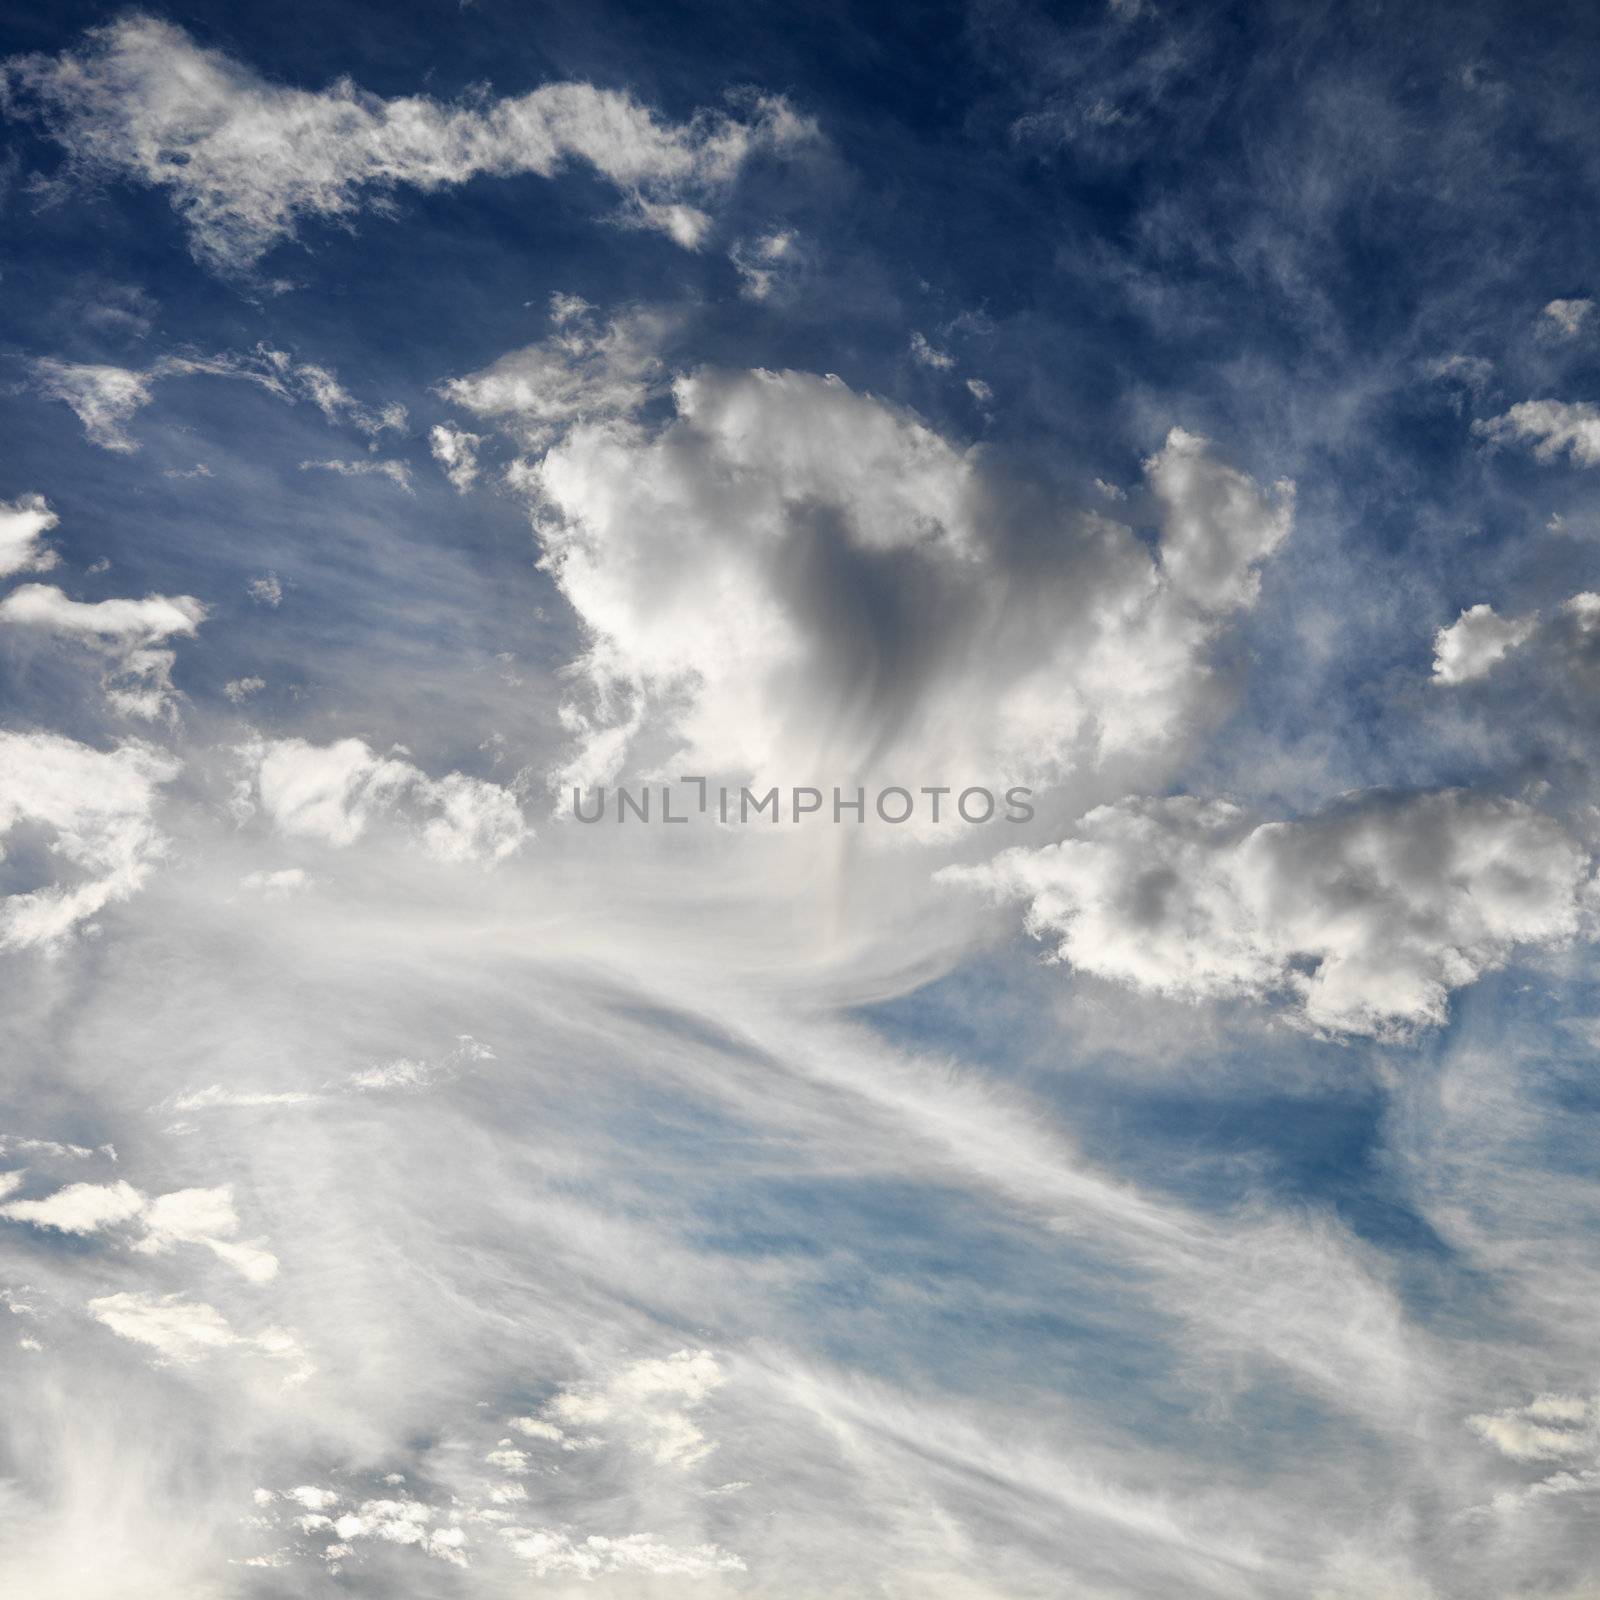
<point>266,591</point>
<point>78,1208</point>
<point>104,398</point>
<point>205,1217</point>
<point>245,160</point>
<point>1218,526</point>
<point>182,1331</point>
<point>764,262</point>
<point>1551,1427</point>
<point>335,792</point>
<point>1364,916</point>
<point>157,616</point>
<point>456,451</point>
<point>397,472</point>
<point>139,683</point>
<point>335,401</point>
<point>238,690</point>
<point>787,576</point>
<point>1550,426</point>
<point>1472,645</point>
<point>1567,318</point>
<point>185,1216</point>
<point>1470,372</point>
<point>553,1554</point>
<point>925,354</point>
<point>277,885</point>
<point>23,523</point>
<point>402,1522</point>
<point>650,1402</point>
<point>215,1095</point>
<point>99,805</point>
<point>583,372</point>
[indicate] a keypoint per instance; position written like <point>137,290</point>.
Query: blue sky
<point>1188,415</point>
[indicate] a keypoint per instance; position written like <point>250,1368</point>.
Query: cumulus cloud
<point>456,451</point>
<point>23,524</point>
<point>1560,651</point>
<point>1550,427</point>
<point>157,616</point>
<point>1362,918</point>
<point>788,575</point>
<point>185,1216</point>
<point>1475,642</point>
<point>98,806</point>
<point>334,793</point>
<point>245,160</point>
<point>181,1331</point>
<point>79,1208</point>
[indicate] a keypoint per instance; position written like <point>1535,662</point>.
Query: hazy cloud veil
<point>799,802</point>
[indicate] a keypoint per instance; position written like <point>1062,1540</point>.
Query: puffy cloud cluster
<point>96,808</point>
<point>1550,427</point>
<point>23,524</point>
<point>185,1216</point>
<point>553,1554</point>
<point>650,1400</point>
<point>1364,916</point>
<point>245,160</point>
<point>787,576</point>
<point>335,792</point>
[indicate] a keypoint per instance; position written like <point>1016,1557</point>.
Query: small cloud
<point>1566,319</point>
<point>276,885</point>
<point>397,472</point>
<point>239,690</point>
<point>928,356</point>
<point>759,262</point>
<point>266,590</point>
<point>456,451</point>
